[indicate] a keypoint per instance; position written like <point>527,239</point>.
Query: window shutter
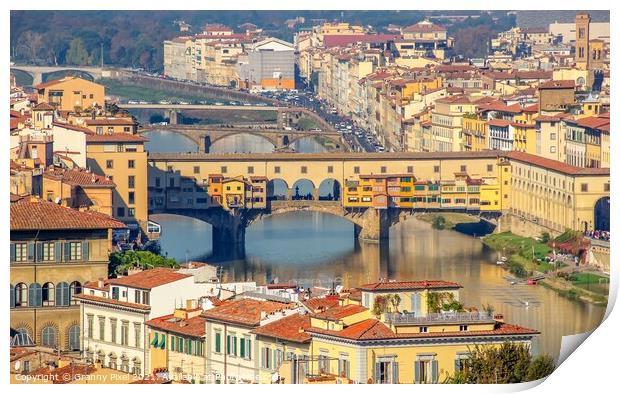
<point>65,294</point>
<point>31,295</point>
<point>172,339</point>
<point>58,251</point>
<point>417,372</point>
<point>12,252</point>
<point>377,372</point>
<point>30,251</point>
<point>12,295</point>
<point>58,294</point>
<point>262,358</point>
<point>162,344</point>
<point>85,250</point>
<point>394,373</point>
<point>67,251</point>
<point>227,344</point>
<point>155,339</point>
<point>248,351</point>
<point>242,347</point>
<point>434,371</point>
<point>39,249</point>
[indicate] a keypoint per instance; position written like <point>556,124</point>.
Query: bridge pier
<point>37,78</point>
<point>374,225</point>
<point>173,116</point>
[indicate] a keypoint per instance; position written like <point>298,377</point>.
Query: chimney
<point>300,330</point>
<point>263,315</point>
<point>100,283</point>
<point>190,304</point>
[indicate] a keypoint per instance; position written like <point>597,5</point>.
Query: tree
<point>508,363</point>
<point>542,366</point>
<point>120,263</point>
<point>77,53</point>
<point>439,222</point>
<point>545,237</point>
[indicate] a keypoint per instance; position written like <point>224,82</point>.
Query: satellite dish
<point>18,365</point>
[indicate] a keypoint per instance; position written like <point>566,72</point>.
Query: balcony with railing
<point>439,318</point>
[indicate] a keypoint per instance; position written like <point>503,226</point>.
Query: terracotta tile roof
<point>410,285</point>
<point>245,311</point>
<point>347,39</point>
<point>95,285</point>
<point>291,328</point>
<point>193,327</point>
<point>51,83</point>
<point>593,122</point>
<point>78,177</point>
<point>150,278</point>
<point>66,374</point>
<point>561,84</point>
<point>551,118</point>
<point>340,311</point>
<point>36,214</point>
<point>115,137</point>
<point>423,27</point>
<point>498,122</point>
<point>500,106</point>
<point>110,121</point>
<point>73,127</point>
<point>317,304</point>
<point>43,107</point>
<point>110,301</point>
<point>458,99</point>
<point>372,329</point>
<point>555,165</point>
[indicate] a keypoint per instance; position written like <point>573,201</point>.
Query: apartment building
<point>271,65</point>
<point>54,252</point>
<point>71,93</point>
<point>447,122</point>
<point>424,39</point>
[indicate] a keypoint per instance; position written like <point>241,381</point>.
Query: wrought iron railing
<point>435,318</point>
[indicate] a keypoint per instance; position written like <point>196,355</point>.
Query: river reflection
<point>314,248</point>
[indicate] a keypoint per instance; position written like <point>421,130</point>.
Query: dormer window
<point>115,293</point>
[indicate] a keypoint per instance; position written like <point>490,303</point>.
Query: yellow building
<point>111,125</point>
<point>177,344</point>
<point>407,341</point>
<point>52,257</point>
<point>77,188</point>
<point>71,93</point>
<point>122,159</point>
<point>474,133</point>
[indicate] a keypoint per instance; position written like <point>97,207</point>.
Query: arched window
<point>137,367</point>
<point>124,363</point>
<point>49,337</point>
<point>62,294</point>
<point>74,337</point>
<point>112,362</point>
<point>21,295</point>
<point>49,294</point>
<point>74,289</point>
<point>89,356</point>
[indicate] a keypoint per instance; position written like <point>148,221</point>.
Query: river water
<point>314,248</point>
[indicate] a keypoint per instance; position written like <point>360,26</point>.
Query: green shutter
<point>39,250</point>
<point>12,253</point>
<point>67,247</point>
<point>155,340</point>
<point>58,251</point>
<point>218,342</point>
<point>162,344</point>
<point>242,348</point>
<point>172,340</point>
<point>85,250</point>
<point>227,344</point>
<point>248,351</point>
<point>30,251</point>
<point>180,344</point>
<point>12,296</point>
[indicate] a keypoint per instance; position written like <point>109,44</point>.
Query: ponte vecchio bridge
<point>178,184</point>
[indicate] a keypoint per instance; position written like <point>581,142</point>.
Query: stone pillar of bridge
<point>315,194</point>
<point>289,193</point>
<point>228,234</point>
<point>37,78</point>
<point>173,116</point>
<point>374,225</point>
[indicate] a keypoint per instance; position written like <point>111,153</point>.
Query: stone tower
<point>582,40</point>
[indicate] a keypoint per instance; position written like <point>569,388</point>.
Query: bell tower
<point>582,40</point>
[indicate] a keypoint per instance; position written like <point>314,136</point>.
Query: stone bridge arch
<point>215,136</point>
<point>330,137</point>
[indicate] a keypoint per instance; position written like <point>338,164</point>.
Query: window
<point>131,198</point>
<point>21,295</point>
<point>137,329</point>
<point>137,367</point>
<point>125,333</point>
<point>224,169</point>
<point>426,370</point>
<point>463,168</point>
<point>120,212</point>
<point>126,129</point>
<point>423,329</point>
<point>49,337</point>
<point>245,346</point>
<point>356,170</point>
<point>343,367</point>
<point>383,169</point>
<point>101,328</point>
<point>73,251</point>
<point>109,164</point>
<point>323,363</point>
<point>489,167</point>
<point>48,294</point>
<point>99,129</point>
<point>304,169</point>
<point>231,345</point>
<point>131,164</point>
<point>34,295</point>
<point>584,187</point>
<point>436,169</point>
<point>113,330</point>
<point>552,149</point>
<point>463,327</point>
<point>46,252</point>
<point>218,342</point>
<point>74,337</point>
<point>131,181</point>
<point>606,187</point>
<point>157,182</point>
<point>386,372</point>
<point>89,325</point>
<point>276,169</point>
<point>21,252</point>
<point>146,298</point>
<point>266,361</point>
<point>131,212</point>
<point>330,169</point>
<point>250,169</point>
<point>196,169</point>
